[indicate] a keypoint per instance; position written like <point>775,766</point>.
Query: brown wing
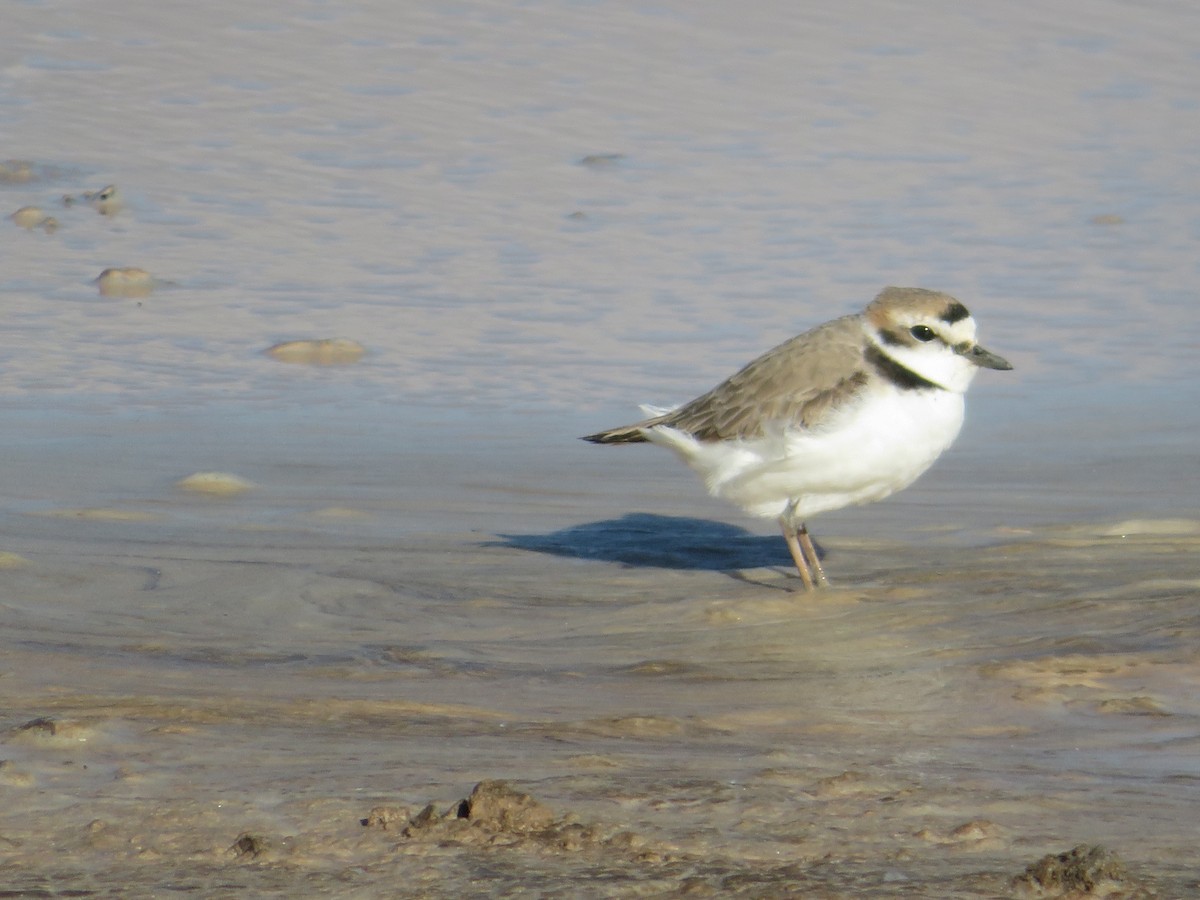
<point>797,383</point>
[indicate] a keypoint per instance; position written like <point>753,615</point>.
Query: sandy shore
<point>298,546</point>
<point>950,719</point>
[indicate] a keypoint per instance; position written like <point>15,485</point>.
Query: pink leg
<point>790,535</point>
<point>810,552</point>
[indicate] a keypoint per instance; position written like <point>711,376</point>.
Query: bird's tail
<point>635,433</point>
<point>626,434</point>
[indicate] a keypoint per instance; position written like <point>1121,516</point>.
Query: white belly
<point>868,452</point>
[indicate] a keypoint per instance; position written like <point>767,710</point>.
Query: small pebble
<point>31,217</point>
<point>12,560</point>
<point>106,201</point>
<point>250,845</point>
<point>326,352</point>
<point>217,484</point>
<point>128,281</point>
<point>16,171</point>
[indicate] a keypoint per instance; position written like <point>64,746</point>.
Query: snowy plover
<point>846,413</point>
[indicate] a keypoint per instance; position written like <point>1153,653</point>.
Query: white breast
<point>871,450</point>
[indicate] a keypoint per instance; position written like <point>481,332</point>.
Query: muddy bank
<point>933,733</point>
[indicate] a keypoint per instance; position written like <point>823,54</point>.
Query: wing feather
<point>797,384</point>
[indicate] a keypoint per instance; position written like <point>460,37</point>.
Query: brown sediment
<point>497,814</point>
<point>241,710</point>
<point>1081,870</point>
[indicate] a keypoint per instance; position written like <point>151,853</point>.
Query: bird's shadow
<point>666,542</point>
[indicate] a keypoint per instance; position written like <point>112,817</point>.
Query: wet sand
<point>490,230</point>
<point>945,719</point>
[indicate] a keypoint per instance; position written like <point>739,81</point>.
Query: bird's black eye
<point>922,333</point>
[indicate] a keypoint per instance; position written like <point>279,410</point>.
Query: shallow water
<point>432,582</point>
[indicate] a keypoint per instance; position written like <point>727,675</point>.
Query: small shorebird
<point>847,413</point>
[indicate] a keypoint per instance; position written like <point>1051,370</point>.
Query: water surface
<point>534,219</point>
